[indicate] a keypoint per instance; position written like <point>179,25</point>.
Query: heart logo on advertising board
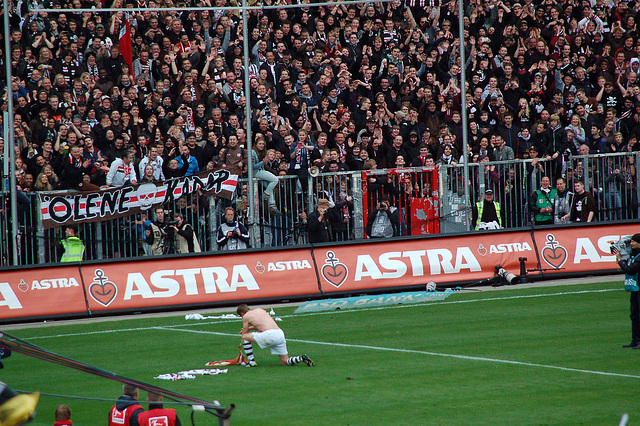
<point>553,253</point>
<point>23,286</point>
<point>334,272</point>
<point>103,291</point>
<point>259,268</point>
<point>555,256</point>
<point>482,250</point>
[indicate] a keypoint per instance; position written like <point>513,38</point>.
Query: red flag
<point>124,43</point>
<point>239,360</point>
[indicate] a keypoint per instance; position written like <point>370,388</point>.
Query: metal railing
<point>430,201</point>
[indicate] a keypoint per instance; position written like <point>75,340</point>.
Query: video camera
<point>623,246</point>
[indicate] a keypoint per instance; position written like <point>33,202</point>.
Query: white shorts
<point>272,339</point>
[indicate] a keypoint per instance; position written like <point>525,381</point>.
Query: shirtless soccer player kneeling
<point>267,334</point>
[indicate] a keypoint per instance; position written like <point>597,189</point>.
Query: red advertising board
<point>202,279</point>
<point>412,262</point>
<point>215,279</point>
<point>580,249</point>
<point>467,258</point>
<point>41,291</point>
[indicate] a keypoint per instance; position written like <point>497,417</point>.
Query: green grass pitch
<point>538,356</point>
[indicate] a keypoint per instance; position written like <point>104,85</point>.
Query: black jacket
<point>630,266</point>
<point>318,232</point>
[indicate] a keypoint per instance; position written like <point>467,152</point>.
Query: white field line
<point>410,351</point>
<point>332,312</point>
<point>181,328</point>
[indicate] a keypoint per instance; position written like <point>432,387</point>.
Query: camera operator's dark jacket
<point>631,266</point>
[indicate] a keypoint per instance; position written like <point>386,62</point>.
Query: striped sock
<point>248,350</point>
<point>294,360</point>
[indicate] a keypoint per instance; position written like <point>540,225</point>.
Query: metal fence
<point>430,201</point>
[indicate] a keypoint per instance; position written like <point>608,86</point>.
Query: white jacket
<point>121,174</point>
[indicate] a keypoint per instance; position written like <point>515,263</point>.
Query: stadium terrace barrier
<point>223,279</point>
<point>430,200</point>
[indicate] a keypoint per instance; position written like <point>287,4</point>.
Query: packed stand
<point>333,88</point>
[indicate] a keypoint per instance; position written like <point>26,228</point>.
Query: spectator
<point>583,206</point>
<point>562,202</point>
<point>155,161</point>
<point>122,172</point>
<point>261,174</point>
<point>502,152</point>
<point>185,158</point>
<point>234,157</point>
<point>75,166</point>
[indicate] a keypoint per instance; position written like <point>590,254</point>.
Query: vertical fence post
<point>39,226</point>
<point>212,236</point>
<point>358,206</point>
<point>635,183</point>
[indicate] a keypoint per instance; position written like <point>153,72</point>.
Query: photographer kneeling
<point>385,222</point>
<point>631,268</point>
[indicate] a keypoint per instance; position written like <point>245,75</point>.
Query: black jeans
<point>635,316</point>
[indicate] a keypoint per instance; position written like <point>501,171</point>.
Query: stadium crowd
<point>345,87</point>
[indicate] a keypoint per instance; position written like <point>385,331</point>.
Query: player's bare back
<point>259,319</point>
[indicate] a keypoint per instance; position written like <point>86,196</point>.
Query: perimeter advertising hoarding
<point>466,258</point>
<point>580,249</point>
<point>60,290</point>
<point>41,292</point>
<point>412,262</point>
<point>203,279</point>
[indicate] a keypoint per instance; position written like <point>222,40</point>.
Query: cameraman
<point>631,267</point>
<point>156,233</point>
<point>185,240</point>
<point>385,222</point>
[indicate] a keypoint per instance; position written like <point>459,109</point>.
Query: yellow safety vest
<point>480,206</point>
<point>73,250</point>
